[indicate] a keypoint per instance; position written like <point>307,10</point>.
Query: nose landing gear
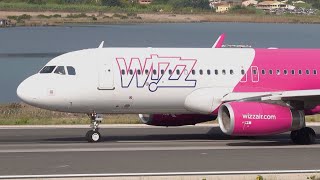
<point>94,135</point>
<point>303,136</point>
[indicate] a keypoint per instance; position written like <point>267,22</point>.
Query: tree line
<point>177,4</point>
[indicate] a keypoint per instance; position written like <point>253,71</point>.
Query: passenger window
<point>242,71</point>
<point>292,72</point>
<point>223,72</point>
<point>270,71</point>
<point>60,70</point>
<point>307,72</point>
<point>300,71</point>
<point>231,71</point>
<point>71,70</point>
<point>193,72</point>
<point>146,72</point>
<point>254,72</point>
<point>154,72</point>
<point>122,71</point>
<point>278,72</point>
<point>208,72</point>
<point>263,71</point>
<point>170,71</point>
<point>216,72</point>
<point>314,71</point>
<point>285,72</point>
<point>131,71</point>
<point>178,71</point>
<point>47,69</point>
<point>162,71</point>
<point>201,72</point>
<point>139,71</point>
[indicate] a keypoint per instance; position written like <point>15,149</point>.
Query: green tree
<point>78,1</point>
<point>160,1</point>
<point>178,4</point>
<point>202,4</point>
<point>36,1</point>
<point>316,4</point>
<point>111,2</point>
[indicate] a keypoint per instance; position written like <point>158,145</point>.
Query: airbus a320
<point>252,92</point>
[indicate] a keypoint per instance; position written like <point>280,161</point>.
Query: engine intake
<point>256,118</point>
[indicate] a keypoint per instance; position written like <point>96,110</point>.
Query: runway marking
<point>169,148</point>
<point>162,174</point>
<point>174,141</point>
<point>264,139</point>
<point>63,166</point>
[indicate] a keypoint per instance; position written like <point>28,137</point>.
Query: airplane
<point>252,92</point>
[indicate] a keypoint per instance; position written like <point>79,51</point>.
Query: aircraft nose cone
<point>26,93</point>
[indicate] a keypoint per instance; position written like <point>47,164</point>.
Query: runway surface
<point>49,151</point>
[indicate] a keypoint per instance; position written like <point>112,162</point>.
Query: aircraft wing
<point>302,95</point>
<point>313,95</point>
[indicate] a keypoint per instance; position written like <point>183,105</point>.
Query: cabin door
<point>106,79</point>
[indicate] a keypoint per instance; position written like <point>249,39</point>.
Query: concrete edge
<point>114,126</point>
<point>282,174</point>
<point>305,176</point>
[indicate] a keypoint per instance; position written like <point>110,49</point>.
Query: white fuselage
<point>259,91</point>
<point>107,80</point>
<point>99,84</point>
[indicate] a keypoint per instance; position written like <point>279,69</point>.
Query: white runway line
<point>162,174</point>
<point>128,149</point>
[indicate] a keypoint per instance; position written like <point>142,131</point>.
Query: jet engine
<point>174,119</point>
<point>256,118</point>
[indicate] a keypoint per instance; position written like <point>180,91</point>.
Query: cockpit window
<point>60,70</point>
<point>47,69</point>
<point>71,70</point>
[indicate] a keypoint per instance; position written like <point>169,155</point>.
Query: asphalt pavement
<point>58,150</point>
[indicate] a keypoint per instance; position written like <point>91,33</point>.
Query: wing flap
<point>281,95</point>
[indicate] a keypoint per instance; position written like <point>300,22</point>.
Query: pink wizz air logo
<point>259,116</point>
<point>156,72</point>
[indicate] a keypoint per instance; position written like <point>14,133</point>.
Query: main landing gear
<point>304,135</point>
<point>94,135</point>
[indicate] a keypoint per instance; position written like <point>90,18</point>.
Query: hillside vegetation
<point>22,114</point>
<point>183,6</point>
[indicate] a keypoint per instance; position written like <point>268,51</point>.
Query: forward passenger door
<point>106,76</point>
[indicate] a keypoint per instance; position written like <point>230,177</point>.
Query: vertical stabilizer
<point>219,42</point>
<point>101,45</point>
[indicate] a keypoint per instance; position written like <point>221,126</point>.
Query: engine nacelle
<point>256,118</point>
<point>174,119</point>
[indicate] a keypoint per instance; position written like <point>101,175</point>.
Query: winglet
<point>101,45</point>
<point>219,42</point>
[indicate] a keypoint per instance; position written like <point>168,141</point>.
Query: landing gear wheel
<point>303,136</point>
<point>93,136</point>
